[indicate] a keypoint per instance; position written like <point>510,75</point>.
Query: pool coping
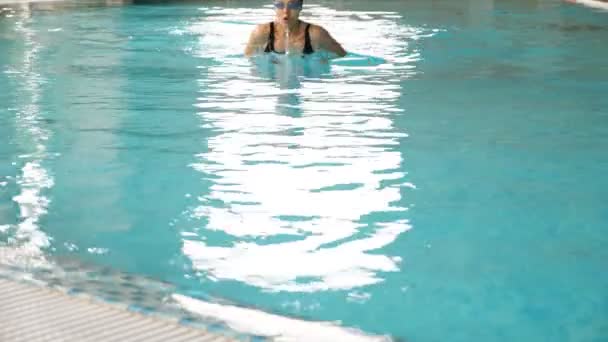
<point>34,313</point>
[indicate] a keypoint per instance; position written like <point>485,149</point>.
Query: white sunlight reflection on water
<point>301,153</point>
<point>29,240</point>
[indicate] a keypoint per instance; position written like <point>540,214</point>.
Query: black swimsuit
<point>307,45</point>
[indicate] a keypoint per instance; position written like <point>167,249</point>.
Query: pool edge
<point>34,313</point>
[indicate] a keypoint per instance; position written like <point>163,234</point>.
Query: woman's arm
<point>327,42</point>
<point>257,40</point>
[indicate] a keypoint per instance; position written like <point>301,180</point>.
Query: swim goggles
<point>291,5</point>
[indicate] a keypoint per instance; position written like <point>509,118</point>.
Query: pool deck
<point>35,314</point>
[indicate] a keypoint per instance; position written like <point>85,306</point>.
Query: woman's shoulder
<point>315,30</point>
<point>262,29</point>
<point>322,39</point>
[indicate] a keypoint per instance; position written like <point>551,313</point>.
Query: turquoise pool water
<point>444,182</point>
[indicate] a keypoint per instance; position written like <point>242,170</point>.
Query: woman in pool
<point>304,37</point>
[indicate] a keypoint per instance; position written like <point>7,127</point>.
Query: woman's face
<point>288,11</point>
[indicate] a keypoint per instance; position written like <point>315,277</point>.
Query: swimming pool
<point>443,182</point>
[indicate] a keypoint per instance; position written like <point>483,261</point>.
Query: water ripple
<point>303,152</point>
<point>34,179</point>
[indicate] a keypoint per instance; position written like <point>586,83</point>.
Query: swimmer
<point>303,36</point>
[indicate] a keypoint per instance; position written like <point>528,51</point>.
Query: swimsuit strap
<point>307,43</point>
<point>270,45</point>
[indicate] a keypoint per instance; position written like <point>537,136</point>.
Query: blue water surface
<point>443,182</point>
